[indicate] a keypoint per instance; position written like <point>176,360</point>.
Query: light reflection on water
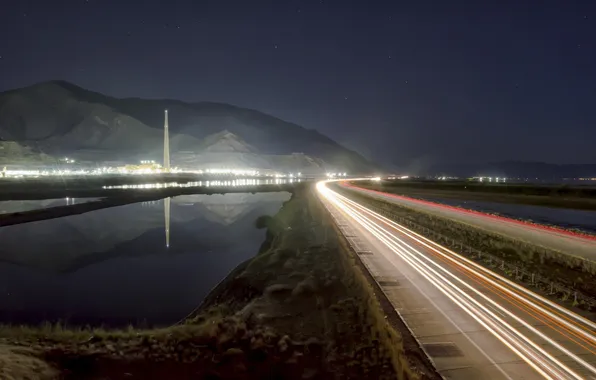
<point>230,183</point>
<point>151,261</point>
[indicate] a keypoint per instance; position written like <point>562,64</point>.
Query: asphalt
<point>472,323</point>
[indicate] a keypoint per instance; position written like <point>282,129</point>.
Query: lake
<point>147,263</point>
<point>584,220</point>
<point>21,206</point>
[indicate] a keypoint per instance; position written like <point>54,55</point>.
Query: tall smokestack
<point>166,144</point>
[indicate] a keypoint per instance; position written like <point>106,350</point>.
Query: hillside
<point>12,152</point>
<point>61,118</point>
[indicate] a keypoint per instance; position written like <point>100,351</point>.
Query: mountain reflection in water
<point>22,206</point>
<point>115,266</point>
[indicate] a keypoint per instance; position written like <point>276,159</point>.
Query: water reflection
<point>166,214</point>
<point>113,267</point>
<point>7,207</point>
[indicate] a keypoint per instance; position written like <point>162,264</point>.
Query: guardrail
<point>519,272</point>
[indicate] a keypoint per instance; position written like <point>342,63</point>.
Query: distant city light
<point>490,179</point>
<point>333,175</point>
<point>231,183</point>
<point>145,167</point>
<point>232,171</point>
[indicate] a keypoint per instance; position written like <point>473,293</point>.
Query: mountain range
<point>59,119</point>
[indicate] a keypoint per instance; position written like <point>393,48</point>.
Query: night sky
<point>401,82</point>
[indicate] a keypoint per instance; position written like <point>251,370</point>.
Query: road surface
<point>559,240</point>
<point>471,322</point>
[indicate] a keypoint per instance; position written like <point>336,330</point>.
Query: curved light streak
<point>457,289</point>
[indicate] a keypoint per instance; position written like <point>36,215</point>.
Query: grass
<point>562,268</point>
<point>563,196</point>
<point>20,363</point>
<point>302,306</point>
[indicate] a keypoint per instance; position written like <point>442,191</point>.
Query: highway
<point>558,240</point>
<point>471,322</point>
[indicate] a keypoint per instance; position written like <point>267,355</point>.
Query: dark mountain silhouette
<point>58,117</point>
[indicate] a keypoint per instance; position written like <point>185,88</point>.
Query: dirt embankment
<point>302,308</point>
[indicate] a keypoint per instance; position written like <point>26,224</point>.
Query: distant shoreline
<point>113,198</point>
<point>570,197</point>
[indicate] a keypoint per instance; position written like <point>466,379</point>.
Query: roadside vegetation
<point>573,272</point>
<point>561,196</point>
<point>302,308</point>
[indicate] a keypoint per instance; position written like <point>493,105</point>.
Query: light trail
<point>460,210</point>
<point>553,310</point>
<point>454,257</point>
<point>486,311</point>
<point>497,306</point>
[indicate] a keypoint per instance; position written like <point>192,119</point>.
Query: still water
<point>147,263</point>
<point>22,206</point>
<point>584,220</point>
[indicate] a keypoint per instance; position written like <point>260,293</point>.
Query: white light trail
<point>460,292</point>
<point>475,269</point>
<point>506,287</point>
